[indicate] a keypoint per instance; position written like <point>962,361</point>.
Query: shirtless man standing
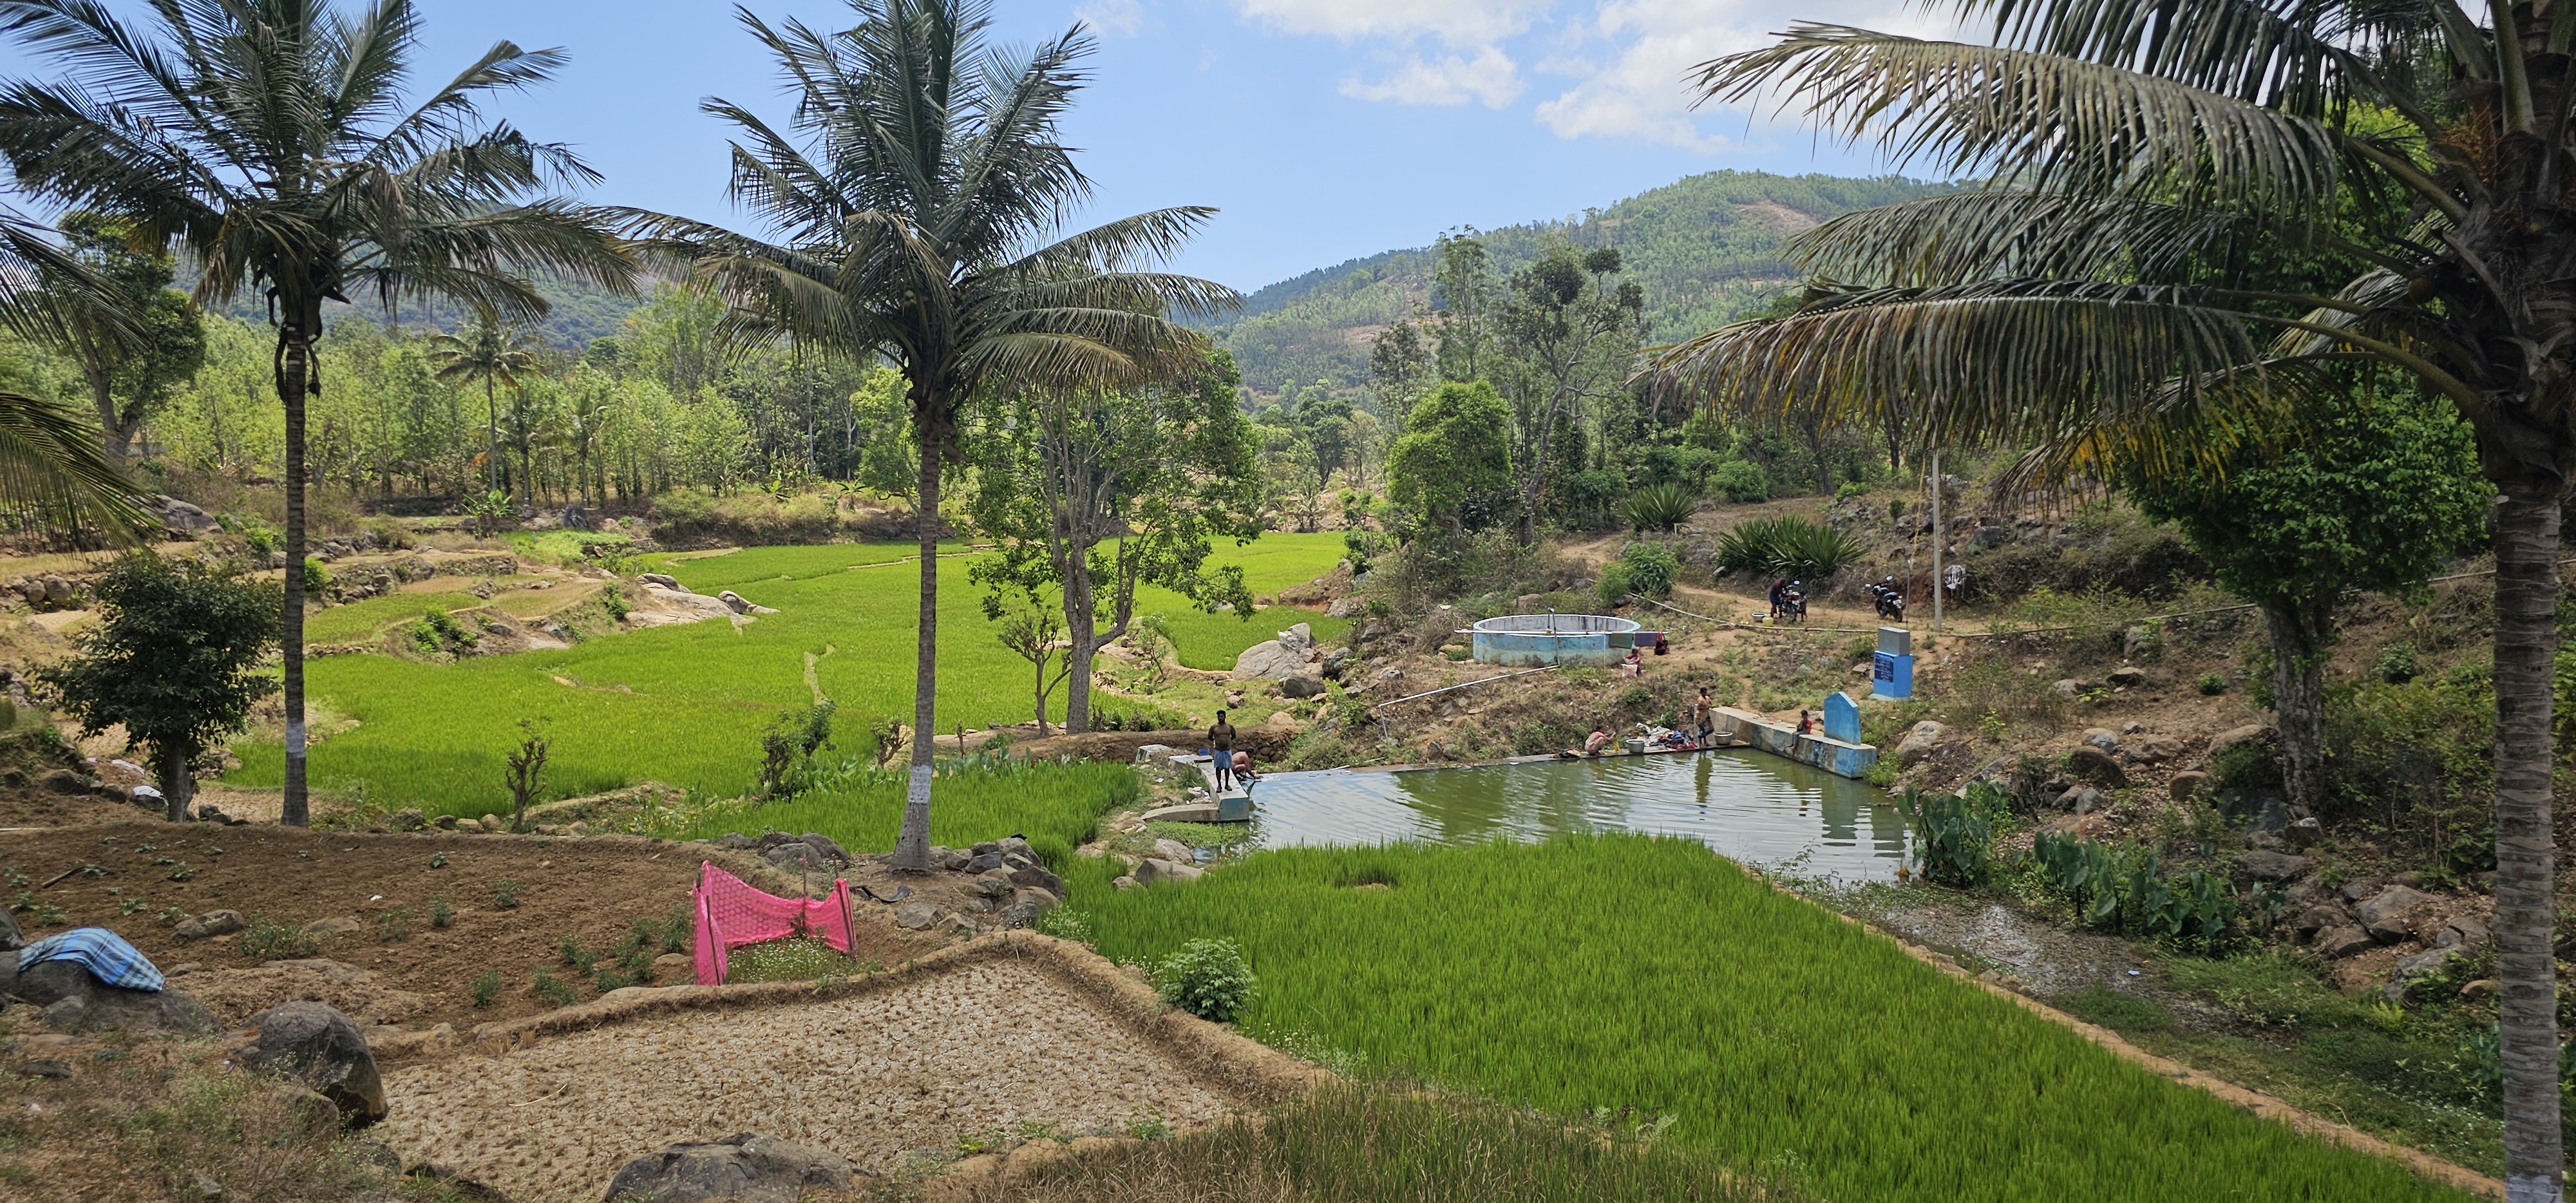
<point>1221,741</point>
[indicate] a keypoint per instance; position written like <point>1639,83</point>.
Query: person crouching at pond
<point>1221,745</point>
<point>1243,773</point>
<point>1633,665</point>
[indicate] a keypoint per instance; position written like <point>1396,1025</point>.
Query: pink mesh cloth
<point>732,914</point>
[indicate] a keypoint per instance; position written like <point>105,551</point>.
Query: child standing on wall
<point>1703,718</point>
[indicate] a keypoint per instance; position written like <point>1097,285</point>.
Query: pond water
<point>1749,806</point>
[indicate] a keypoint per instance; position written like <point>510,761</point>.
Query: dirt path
<point>982,1048</point>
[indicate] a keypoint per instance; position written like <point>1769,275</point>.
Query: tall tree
<point>919,187</point>
<point>1095,492</point>
<point>271,139</point>
<point>1576,335</point>
<point>488,350</point>
<point>1453,467</point>
<point>129,372</point>
<point>1463,284</point>
<point>2127,146</point>
<point>1400,368</point>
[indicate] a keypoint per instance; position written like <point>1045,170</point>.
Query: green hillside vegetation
<point>1703,248</point>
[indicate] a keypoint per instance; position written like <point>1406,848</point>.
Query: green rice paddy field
<point>685,705</point>
<point>1629,972</point>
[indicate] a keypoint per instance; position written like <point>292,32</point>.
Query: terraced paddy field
<point>686,704</point>
<point>1646,977</point>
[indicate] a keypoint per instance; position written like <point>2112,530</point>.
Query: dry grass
<point>164,1119</point>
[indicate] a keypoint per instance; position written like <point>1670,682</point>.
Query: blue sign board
<point>1891,676</point>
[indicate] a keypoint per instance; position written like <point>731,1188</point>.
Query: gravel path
<point>976,1049</point>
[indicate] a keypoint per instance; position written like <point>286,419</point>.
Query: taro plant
<point>1953,836</point>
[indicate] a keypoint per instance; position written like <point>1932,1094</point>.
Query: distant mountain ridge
<point>1704,247</point>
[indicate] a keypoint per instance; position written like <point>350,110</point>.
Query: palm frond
<point>2002,233</point>
<point>53,469</point>
<point>2003,359</point>
<point>2045,121</point>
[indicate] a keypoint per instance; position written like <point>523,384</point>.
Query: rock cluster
<point>322,1049</point>
<point>73,1000</point>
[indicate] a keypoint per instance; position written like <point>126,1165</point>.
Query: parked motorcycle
<point>1889,600</point>
<point>1793,603</point>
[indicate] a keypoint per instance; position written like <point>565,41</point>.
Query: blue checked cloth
<point>104,953</point>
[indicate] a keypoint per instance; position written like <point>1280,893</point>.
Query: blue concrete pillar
<point>1842,718</point>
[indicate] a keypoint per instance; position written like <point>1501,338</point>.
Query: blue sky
<point>1324,129</point>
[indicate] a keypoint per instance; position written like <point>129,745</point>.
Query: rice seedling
<point>1355,1144</point>
<point>1644,974</point>
<point>686,705</point>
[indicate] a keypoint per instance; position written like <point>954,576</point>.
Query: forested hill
<point>579,312</point>
<point>1703,247</point>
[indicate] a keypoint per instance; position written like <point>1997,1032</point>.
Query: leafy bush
<point>1658,507</point>
<point>486,986</point>
<point>1642,569</point>
<point>1741,481</point>
<point>438,632</point>
<point>2124,890</point>
<point>1207,978</point>
<point>2396,665</point>
<point>787,749</point>
<point>1953,836</point>
<point>2212,685</point>
<point>1787,546</point>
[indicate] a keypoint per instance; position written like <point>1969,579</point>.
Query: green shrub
<point>485,987</point>
<point>2212,685</point>
<point>1613,586</point>
<point>315,579</point>
<point>2124,890</point>
<point>553,991</point>
<point>1741,481</point>
<point>505,895</point>
<point>1788,546</point>
<point>1207,978</point>
<point>1650,569</point>
<point>1658,507</point>
<point>2396,666</point>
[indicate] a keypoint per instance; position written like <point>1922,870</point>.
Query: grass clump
<point>1645,974</point>
<point>266,939</point>
<point>486,987</point>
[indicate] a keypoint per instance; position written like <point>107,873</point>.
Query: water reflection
<point>1747,805</point>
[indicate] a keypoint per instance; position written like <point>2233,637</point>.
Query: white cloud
<point>1644,92</point>
<point>1456,22</point>
<point>1120,16</point>
<point>1490,78</point>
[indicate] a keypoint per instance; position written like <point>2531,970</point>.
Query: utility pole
<point>1937,534</point>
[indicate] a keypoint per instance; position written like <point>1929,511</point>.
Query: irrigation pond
<point>1748,806</point>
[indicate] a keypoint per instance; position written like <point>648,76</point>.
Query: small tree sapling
<point>173,659</point>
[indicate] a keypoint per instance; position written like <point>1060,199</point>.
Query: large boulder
<point>1157,869</point>
<point>748,1167</point>
<point>11,940</point>
<point>1301,686</point>
<point>2409,970</point>
<point>2187,785</point>
<point>2228,739</point>
<point>2336,942</point>
<point>2389,915</point>
<point>2089,763</point>
<point>1919,742</point>
<point>74,1000</point>
<point>1276,659</point>
<point>319,1047</point>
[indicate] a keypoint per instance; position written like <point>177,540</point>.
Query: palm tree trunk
<point>2526,641</point>
<point>294,377</point>
<point>2299,644</point>
<point>492,434</point>
<point>912,846</point>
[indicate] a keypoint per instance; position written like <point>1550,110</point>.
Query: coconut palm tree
<point>272,139</point>
<point>915,198</point>
<point>489,350</point>
<point>2137,156</point>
